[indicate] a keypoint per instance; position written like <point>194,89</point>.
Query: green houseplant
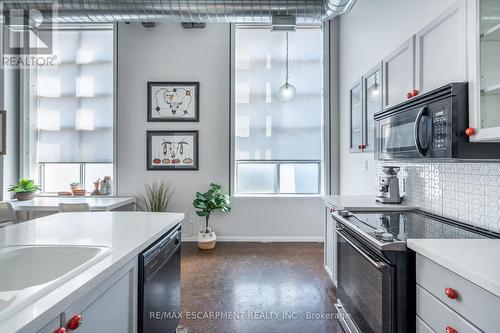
<point>158,195</point>
<point>207,203</point>
<point>25,189</point>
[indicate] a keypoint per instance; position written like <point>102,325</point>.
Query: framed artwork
<point>172,150</point>
<point>3,132</point>
<point>173,101</point>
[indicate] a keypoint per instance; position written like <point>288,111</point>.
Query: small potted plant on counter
<point>207,203</point>
<point>24,190</point>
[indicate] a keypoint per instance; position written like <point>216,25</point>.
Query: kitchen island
<point>117,238</point>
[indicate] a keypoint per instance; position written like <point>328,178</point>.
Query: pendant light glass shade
<point>287,91</point>
<point>375,89</point>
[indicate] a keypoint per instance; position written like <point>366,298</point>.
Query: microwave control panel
<point>439,129</point>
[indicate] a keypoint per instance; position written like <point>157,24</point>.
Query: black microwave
<point>432,126</point>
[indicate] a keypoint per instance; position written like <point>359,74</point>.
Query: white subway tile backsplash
<point>466,192</point>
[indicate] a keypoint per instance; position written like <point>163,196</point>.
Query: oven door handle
<point>421,151</point>
<point>377,264</point>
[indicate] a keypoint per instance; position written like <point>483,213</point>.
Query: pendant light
<point>287,91</point>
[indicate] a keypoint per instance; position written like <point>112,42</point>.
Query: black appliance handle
<point>377,264</point>
<point>421,151</point>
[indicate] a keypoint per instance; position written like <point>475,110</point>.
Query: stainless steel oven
<point>365,287</point>
<point>432,125</point>
<point>376,271</point>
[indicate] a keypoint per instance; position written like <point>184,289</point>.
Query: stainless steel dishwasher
<point>160,284</point>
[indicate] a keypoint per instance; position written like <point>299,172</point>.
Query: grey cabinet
<point>356,115</point>
<point>441,49</point>
<point>365,101</point>
<point>330,245</point>
<point>111,307</point>
<point>470,309</point>
<point>372,103</point>
<point>399,73</point>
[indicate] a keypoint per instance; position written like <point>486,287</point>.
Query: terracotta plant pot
<point>206,240</point>
<point>24,196</point>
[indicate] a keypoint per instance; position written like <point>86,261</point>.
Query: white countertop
<point>125,233</point>
<point>476,260</point>
<point>51,204</point>
<point>365,203</point>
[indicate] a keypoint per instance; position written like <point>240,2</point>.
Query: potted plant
<point>206,203</point>
<point>158,195</point>
<point>24,190</point>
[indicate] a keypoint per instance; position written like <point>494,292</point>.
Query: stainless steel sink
<point>29,272</point>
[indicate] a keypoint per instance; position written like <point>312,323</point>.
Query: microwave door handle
<point>418,144</point>
<point>377,264</point>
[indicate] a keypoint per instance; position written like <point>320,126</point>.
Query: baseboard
<point>271,239</point>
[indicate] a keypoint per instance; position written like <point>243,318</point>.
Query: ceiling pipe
<point>234,11</point>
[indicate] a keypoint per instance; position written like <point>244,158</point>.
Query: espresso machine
<point>388,187</point>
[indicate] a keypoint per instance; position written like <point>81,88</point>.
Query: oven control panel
<point>439,129</point>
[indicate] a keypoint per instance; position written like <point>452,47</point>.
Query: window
<point>71,117</point>
<point>278,147</point>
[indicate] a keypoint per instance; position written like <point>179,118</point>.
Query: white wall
<point>371,31</point>
<point>170,53</point>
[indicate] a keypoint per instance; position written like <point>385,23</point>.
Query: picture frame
<point>173,101</point>
<point>3,132</point>
<point>172,150</point>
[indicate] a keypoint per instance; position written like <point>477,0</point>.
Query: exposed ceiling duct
<point>236,11</point>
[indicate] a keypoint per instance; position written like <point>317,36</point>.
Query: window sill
<point>277,196</point>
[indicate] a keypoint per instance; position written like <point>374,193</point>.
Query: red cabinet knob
<point>412,94</point>
<point>451,330</point>
<point>60,330</point>
<point>470,131</point>
<point>451,293</point>
<point>75,322</point>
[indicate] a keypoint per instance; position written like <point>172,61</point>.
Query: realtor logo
<point>27,33</point>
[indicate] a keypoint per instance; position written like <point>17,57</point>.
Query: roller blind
<point>278,145</point>
<point>74,114</point>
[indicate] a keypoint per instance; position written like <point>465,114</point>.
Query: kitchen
<point>278,250</point>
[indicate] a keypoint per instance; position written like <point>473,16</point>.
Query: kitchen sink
<point>29,272</point>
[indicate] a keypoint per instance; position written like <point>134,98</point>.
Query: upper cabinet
<point>356,113</point>
<point>366,100</point>
<point>372,102</point>
<point>484,71</point>
<point>441,49</point>
<point>399,73</point>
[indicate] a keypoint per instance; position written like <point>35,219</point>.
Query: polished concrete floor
<point>256,287</point>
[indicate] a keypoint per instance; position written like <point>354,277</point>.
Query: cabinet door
<point>442,50</point>
<point>111,307</point>
<point>399,73</point>
<point>356,127</point>
<point>372,100</point>
<point>483,33</point>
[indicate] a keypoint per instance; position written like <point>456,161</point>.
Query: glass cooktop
<point>404,225</point>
